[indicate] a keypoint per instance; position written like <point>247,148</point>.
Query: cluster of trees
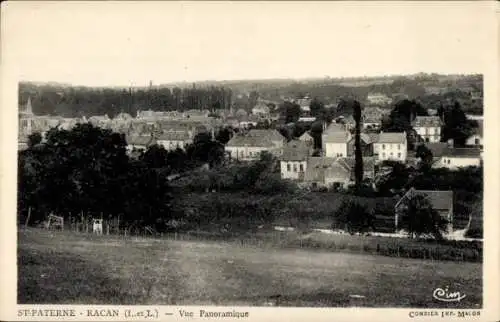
<point>258,177</point>
<point>86,171</point>
<point>456,125</point>
<point>418,218</point>
<point>79,101</point>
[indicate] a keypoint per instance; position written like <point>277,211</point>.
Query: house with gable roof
<point>336,143</point>
<point>428,128</point>
<point>248,148</point>
<point>441,201</point>
<point>307,138</point>
<point>293,160</point>
<point>391,146</point>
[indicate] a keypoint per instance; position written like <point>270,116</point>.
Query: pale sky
<point>131,43</point>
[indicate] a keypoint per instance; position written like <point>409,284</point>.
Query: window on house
<point>288,167</point>
<point>391,154</point>
<point>383,155</point>
<point>383,146</point>
<point>399,155</point>
<point>294,168</point>
<point>399,146</point>
<point>476,141</point>
<point>301,167</point>
<point>448,161</point>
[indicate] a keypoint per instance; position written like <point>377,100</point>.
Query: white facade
<point>429,134</point>
<point>172,144</point>
<point>335,150</point>
<point>292,169</point>
<point>454,163</point>
<point>475,140</point>
<point>390,151</point>
<point>246,153</point>
<point>378,98</point>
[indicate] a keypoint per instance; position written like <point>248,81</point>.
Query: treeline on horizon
<point>77,101</point>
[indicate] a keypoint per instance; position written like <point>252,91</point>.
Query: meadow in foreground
<point>61,267</point>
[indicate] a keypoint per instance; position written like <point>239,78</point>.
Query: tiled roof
<point>438,149</point>
<point>337,137</point>
<point>316,168</point>
<point>174,136</point>
<point>440,200</point>
<point>348,163</point>
<point>306,136</point>
<point>250,141</point>
<point>140,140</point>
<point>392,137</point>
<point>295,151</point>
<point>462,152</point>
<point>334,127</point>
<point>427,121</point>
<point>273,135</point>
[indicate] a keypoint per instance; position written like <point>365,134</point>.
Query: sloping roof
<point>174,136</point>
<point>366,138</point>
<point>334,127</point>
<point>295,151</point>
<point>273,135</point>
<point>306,136</point>
<point>140,140</point>
<point>250,141</point>
<point>392,137</point>
<point>316,168</point>
<point>462,152</point>
<point>427,121</point>
<point>439,199</point>
<point>337,137</point>
<point>438,149</point>
<point>348,163</point>
<point>373,137</point>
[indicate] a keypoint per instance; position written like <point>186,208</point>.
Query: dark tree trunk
<point>358,166</point>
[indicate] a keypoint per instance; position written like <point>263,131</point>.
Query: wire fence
<point>462,251</point>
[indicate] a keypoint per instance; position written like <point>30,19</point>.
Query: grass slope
<point>79,269</point>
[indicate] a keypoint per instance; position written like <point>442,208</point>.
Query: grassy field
<point>60,267</point>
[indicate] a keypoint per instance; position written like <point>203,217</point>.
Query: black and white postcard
<point>241,161</point>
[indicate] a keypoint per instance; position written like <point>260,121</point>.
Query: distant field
<point>60,267</point>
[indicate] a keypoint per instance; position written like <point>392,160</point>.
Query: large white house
<point>428,128</point>
<point>391,147</point>
<point>336,144</point>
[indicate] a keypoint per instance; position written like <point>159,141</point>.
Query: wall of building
<point>455,163</point>
<point>334,150</point>
<point>472,140</point>
<point>429,134</point>
<point>292,169</point>
<point>246,153</point>
<point>390,151</point>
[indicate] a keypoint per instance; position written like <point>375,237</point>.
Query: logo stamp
<point>445,295</point>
